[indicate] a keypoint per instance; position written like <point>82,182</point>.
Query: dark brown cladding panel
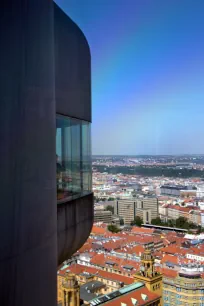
<point>72,77</point>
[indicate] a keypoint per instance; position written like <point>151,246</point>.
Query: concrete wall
<point>28,227</point>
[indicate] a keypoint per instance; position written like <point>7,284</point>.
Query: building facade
<point>145,215</point>
<point>150,203</point>
<point>147,208</point>
<point>195,216</point>
<point>70,291</point>
<point>126,209</point>
<point>104,216</point>
<point>96,293</point>
<point>45,169</point>
<point>172,190</point>
<point>186,289</point>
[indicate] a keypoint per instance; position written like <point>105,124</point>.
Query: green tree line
<point>152,171</point>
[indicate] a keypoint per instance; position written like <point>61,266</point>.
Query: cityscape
<point>146,246</point>
<point>102,153</point>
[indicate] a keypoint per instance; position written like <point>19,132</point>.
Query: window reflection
<point>86,157</point>
<point>73,158</point>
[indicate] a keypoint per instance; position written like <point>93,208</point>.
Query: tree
<point>137,221</point>
<point>113,228</point>
<point>110,208</point>
<point>96,199</point>
<point>134,193</point>
<point>157,221</point>
<point>171,223</point>
<point>111,199</point>
<point>181,222</point>
<point>191,225</point>
<point>121,222</point>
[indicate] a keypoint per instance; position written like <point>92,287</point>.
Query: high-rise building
<point>187,288</point>
<point>46,209</point>
<point>149,203</point>
<point>104,216</point>
<point>126,209</point>
<point>145,215</point>
<point>146,207</point>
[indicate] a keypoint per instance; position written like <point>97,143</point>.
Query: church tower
<point>70,289</point>
<point>148,275</point>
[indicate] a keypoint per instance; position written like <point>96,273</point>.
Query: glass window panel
<point>63,158</point>
<point>76,156</point>
<point>73,158</point>
<point>86,157</point>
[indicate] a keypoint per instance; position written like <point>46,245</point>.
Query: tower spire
<point>70,289</point>
<point>147,267</point>
<point>148,274</point>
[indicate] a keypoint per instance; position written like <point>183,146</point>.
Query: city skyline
<point>147,74</point>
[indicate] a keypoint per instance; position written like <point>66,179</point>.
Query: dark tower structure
<point>45,114</point>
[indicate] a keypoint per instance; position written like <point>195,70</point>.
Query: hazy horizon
<point>147,154</point>
<point>147,74</point>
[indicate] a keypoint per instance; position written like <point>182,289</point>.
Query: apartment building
<point>45,165</point>
<point>195,254</point>
<point>126,209</point>
<point>146,208</point>
<point>192,214</point>
<point>187,288</point>
<point>195,216</point>
<point>104,216</point>
<point>176,211</point>
<point>145,215</point>
<point>172,190</point>
<point>149,203</point>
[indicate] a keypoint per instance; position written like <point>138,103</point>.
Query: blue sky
<point>147,74</point>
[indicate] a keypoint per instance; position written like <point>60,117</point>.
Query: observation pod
<point>46,210</point>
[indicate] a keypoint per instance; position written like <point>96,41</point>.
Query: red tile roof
<point>170,258</point>
<point>137,295</point>
<point>85,248</point>
<point>98,230</point>
<point>174,250</point>
<point>142,230</point>
<point>78,269</point>
<point>101,260</point>
<point>169,273</point>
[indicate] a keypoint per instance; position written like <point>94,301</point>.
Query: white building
<point>200,191</point>
<point>195,256</point>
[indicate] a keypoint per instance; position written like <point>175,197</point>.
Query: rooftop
<point>87,291</point>
<point>135,294</point>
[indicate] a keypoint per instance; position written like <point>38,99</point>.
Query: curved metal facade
<point>72,68</point>
<point>44,69</point>
<point>73,98</point>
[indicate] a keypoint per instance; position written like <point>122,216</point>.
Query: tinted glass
<point>73,158</point>
<point>86,157</point>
